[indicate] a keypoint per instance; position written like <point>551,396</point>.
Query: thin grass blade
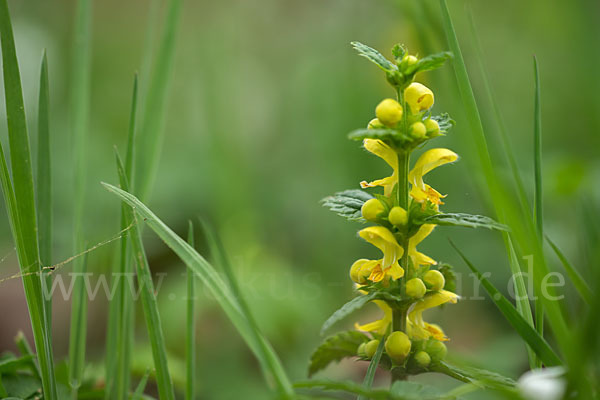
<point>507,208</point>
<point>139,390</point>
<point>204,270</point>
<point>79,111</point>
<point>152,123</point>
<point>370,375</point>
<point>149,303</point>
<point>521,326</point>
<point>190,348</point>
<point>20,202</point>
<point>275,369</point>
<point>44,183</point>
<point>582,287</point>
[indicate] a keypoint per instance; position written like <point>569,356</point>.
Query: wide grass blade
<point>521,326</point>
<point>190,348</point>
<point>20,202</point>
<point>149,141</point>
<point>210,278</point>
<point>273,364</point>
<point>44,183</point>
<point>506,208</point>
<point>121,308</point>
<point>370,375</point>
<point>580,284</point>
<point>149,302</point>
<point>79,104</point>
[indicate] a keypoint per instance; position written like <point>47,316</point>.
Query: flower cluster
<point>404,282</point>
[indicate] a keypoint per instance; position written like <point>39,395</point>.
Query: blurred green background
<point>262,97</point>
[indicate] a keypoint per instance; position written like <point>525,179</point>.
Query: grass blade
<point>44,183</point>
<point>25,350</point>
<point>538,202</point>
<point>149,303</point>
<point>204,270</point>
<point>582,287</point>
<point>275,369</point>
<point>190,348</point>
<point>523,328</point>
<point>20,202</point>
<point>523,228</point>
<point>120,322</point>
<point>370,375</point>
<point>150,139</point>
<point>79,98</point>
<point>139,390</point>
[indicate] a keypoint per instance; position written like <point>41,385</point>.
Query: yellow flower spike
<point>418,130</point>
<point>419,97</point>
<point>371,209</point>
<point>375,124</point>
<point>419,329</point>
<point>382,150</point>
<point>379,326</point>
<point>389,112</point>
<point>362,269</point>
<point>428,161</point>
<point>385,241</point>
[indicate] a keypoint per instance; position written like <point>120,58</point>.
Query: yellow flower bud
<point>371,209</point>
<point>361,352</point>
<point>419,97</point>
<point>397,346</point>
<point>434,280</point>
<point>361,270</point>
<point>415,288</point>
<point>422,359</point>
<point>371,348</point>
<point>409,60</point>
<point>375,123</point>
<point>389,112</point>
<point>436,350</point>
<point>418,130</point>
<point>432,126</point>
<point>398,216</point>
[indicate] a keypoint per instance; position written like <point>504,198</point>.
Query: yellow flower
<point>382,150</point>
<point>385,241</point>
<point>419,97</point>
<point>389,112</point>
<point>418,258</point>
<point>428,161</point>
<point>381,325</point>
<point>419,329</point>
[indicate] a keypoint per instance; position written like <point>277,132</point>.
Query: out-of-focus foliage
<point>263,96</point>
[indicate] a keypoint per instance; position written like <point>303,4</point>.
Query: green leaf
<point>432,61</point>
<point>20,202</point>
<point>398,51</point>
<point>204,270</point>
<point>466,220</point>
<point>580,284</point>
<point>355,304</point>
<point>347,203</point>
<point>335,348</point>
<point>444,121</point>
<point>449,276</point>
<point>345,387</point>
<point>537,343</point>
<point>12,364</point>
<point>476,376</point>
<point>374,56</point>
<point>21,386</point>
<point>384,134</point>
